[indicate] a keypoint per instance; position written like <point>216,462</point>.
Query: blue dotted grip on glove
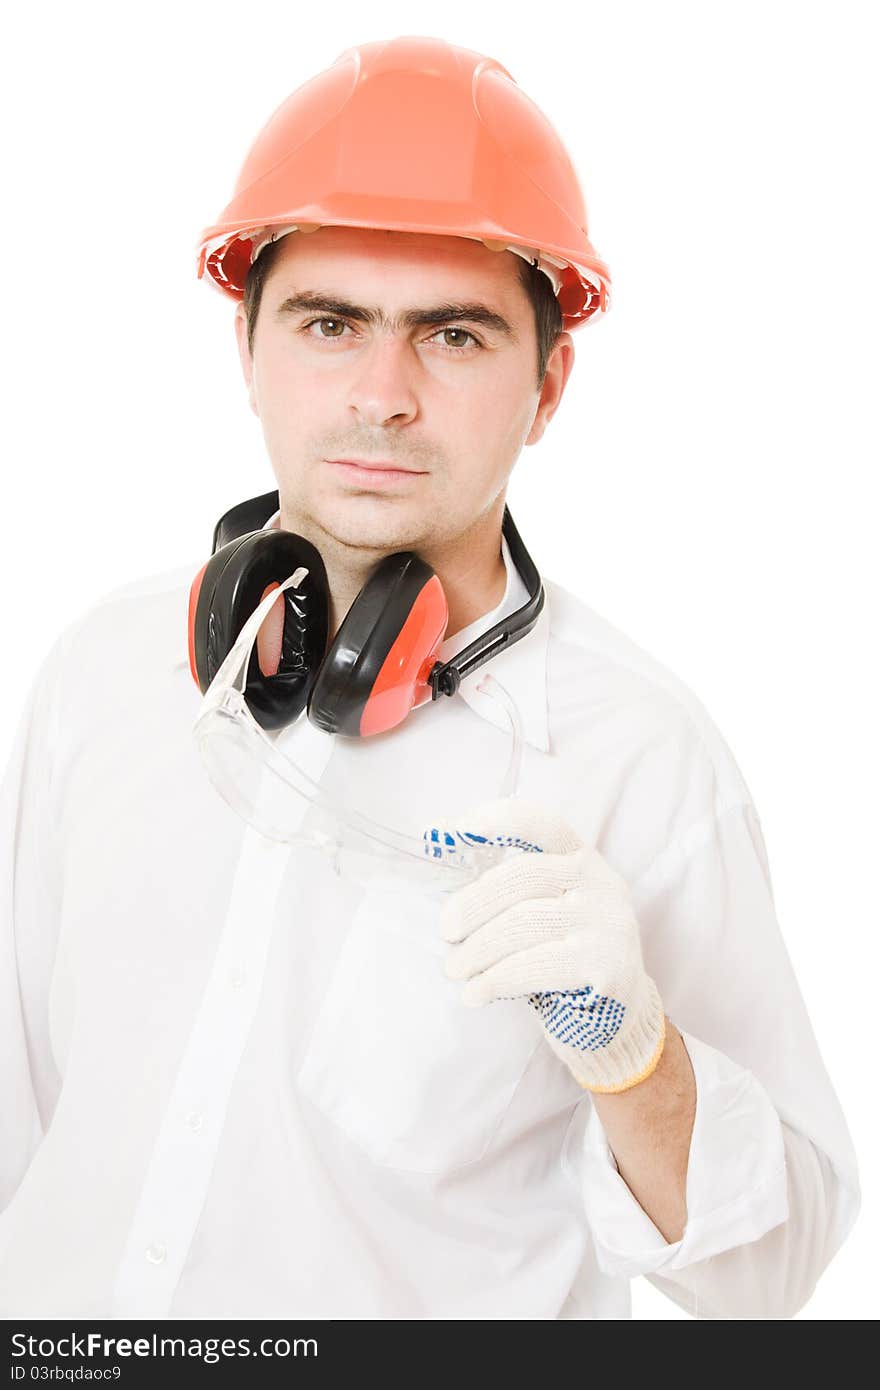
<point>565,1013</point>
<point>572,1021</point>
<point>442,842</point>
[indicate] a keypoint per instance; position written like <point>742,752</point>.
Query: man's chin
<point>378,524</point>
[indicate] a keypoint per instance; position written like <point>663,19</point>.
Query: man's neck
<point>471,568</point>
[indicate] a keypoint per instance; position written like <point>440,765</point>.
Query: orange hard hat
<point>414,135</point>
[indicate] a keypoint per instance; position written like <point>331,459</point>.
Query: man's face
<point>451,401</point>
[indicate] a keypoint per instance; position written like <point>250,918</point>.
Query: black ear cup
<point>344,684</point>
<point>232,586</point>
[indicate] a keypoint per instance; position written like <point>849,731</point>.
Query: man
<point>239,1083</point>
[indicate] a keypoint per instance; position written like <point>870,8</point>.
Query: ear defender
<point>378,665</point>
<point>223,596</point>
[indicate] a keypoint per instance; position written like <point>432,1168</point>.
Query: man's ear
<point>559,365</point>
<point>244,353</point>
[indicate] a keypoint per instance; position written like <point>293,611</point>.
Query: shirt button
<point>194,1121</point>
<point>155,1253</point>
<point>237,977</point>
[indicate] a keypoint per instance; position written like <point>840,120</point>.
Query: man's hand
<point>554,923</point>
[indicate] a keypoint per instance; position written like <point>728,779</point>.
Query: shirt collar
<point>521,669</point>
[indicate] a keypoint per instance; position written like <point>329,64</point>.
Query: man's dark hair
<point>548,316</point>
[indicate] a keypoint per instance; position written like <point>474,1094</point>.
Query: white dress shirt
<point>234,1084</point>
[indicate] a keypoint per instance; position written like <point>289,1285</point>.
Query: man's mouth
<point>373,472</point>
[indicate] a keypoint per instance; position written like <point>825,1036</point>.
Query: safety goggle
<point>273,781</point>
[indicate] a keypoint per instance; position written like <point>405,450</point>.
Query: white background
<point>709,482</point>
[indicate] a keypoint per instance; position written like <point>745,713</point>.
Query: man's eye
<point>462,333</point>
<point>336,323</point>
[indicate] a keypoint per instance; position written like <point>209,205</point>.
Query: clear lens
<point>278,790</point>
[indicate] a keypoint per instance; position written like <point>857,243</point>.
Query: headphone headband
<point>446,678</point>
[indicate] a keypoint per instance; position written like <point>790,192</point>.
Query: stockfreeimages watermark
<point>95,1345</point>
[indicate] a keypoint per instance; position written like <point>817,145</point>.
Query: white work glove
<point>554,923</point>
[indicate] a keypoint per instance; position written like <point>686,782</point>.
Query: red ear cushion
<point>194,591</point>
<point>270,638</point>
<point>402,681</point>
<point>381,650</point>
<point>205,631</point>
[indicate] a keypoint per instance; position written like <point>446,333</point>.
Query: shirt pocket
<point>414,1077</point>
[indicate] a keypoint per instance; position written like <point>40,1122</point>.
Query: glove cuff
<point>627,1060</point>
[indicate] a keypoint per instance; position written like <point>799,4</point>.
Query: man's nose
<point>383,386</point>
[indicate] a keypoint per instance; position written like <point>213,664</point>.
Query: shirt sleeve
<point>772,1184</point>
<point>29,916</point>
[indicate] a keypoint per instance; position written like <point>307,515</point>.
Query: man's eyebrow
<point>313,301</point>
